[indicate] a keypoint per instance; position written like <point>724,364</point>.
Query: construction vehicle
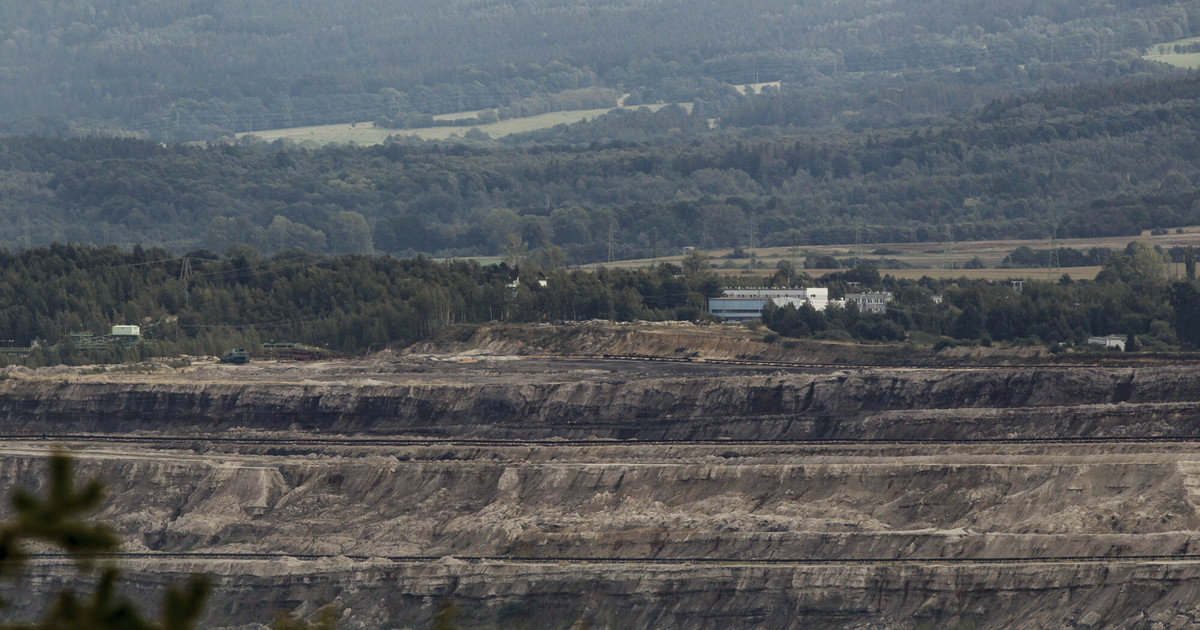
<point>236,355</point>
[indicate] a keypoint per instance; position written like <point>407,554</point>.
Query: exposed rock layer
<point>705,508</point>
<point>701,402</point>
<point>388,595</point>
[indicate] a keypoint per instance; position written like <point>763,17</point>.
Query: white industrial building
<point>1109,341</point>
<point>817,296</point>
<point>740,305</point>
<point>126,331</point>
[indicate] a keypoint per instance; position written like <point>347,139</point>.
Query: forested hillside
<point>198,69</point>
<point>1111,159</point>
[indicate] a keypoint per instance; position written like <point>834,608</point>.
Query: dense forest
<point>198,69</point>
<point>205,304</point>
<point>1099,160</point>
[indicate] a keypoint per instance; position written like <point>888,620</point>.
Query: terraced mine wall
<point>705,598</point>
<point>606,494</point>
<point>850,404</point>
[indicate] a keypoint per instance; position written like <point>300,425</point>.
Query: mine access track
<point>369,441</point>
<point>802,365</point>
<point>701,561</point>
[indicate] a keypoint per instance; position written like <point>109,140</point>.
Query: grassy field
<point>1164,52</point>
<point>366,133</point>
<point>756,88</point>
<point>995,275</point>
<point>1186,60</point>
<point>936,260</point>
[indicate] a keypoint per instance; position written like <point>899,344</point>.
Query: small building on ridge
<point>870,302</point>
<point>1108,341</point>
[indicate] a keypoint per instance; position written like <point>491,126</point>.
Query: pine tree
<point>59,519</point>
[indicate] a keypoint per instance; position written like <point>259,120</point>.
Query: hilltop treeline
<point>1027,168</point>
<point>205,304</point>
<point>203,68</point>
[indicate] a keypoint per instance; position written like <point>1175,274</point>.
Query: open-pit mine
<point>576,483</point>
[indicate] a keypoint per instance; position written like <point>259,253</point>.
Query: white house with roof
<point>875,302</point>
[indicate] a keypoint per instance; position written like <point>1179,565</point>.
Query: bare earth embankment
<point>541,491</point>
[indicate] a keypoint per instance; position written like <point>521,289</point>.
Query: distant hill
<point>1101,160</point>
<point>199,69</point>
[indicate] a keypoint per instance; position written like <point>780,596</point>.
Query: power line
<point>274,324</point>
